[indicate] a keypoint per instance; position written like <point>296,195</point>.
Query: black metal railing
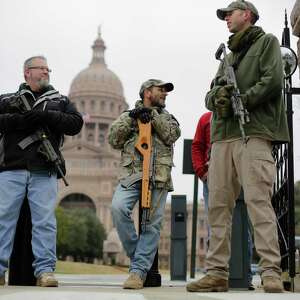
<point>283,196</point>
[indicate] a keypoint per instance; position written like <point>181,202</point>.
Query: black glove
<point>222,101</point>
<point>11,106</point>
<point>141,113</point>
<point>225,91</point>
<point>223,107</point>
<point>35,117</point>
<point>4,107</point>
<point>42,117</point>
<point>15,121</point>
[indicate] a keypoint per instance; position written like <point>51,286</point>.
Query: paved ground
<point>108,287</point>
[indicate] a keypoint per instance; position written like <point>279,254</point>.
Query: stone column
<point>295,22</point>
<point>96,133</point>
<point>83,135</point>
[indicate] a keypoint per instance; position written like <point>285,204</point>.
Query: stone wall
<point>295,22</point>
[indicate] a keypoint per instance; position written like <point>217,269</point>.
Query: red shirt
<point>201,145</point>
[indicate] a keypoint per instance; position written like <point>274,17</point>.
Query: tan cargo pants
<point>232,166</point>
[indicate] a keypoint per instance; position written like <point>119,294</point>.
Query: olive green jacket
<point>260,81</point>
<point>123,135</point>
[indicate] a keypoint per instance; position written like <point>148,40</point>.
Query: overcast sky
<point>168,39</point>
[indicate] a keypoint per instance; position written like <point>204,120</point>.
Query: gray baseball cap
<point>243,5</point>
<point>155,82</point>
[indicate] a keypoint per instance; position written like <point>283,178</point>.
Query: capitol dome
<point>97,78</point>
<point>97,93</point>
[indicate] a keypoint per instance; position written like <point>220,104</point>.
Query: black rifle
<point>46,147</point>
<point>239,111</point>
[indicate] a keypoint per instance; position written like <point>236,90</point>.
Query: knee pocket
<point>262,169</point>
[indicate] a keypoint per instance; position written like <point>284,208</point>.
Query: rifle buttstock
<point>144,146</point>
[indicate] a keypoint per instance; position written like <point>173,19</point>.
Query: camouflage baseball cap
<point>155,82</point>
<point>243,5</point>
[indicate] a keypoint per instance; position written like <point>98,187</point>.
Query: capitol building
<point>92,165</point>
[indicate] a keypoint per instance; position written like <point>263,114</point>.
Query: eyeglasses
<point>41,68</point>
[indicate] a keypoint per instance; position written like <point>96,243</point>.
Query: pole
<point>153,278</point>
<point>194,227</point>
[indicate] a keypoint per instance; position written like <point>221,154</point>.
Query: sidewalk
<point>109,287</point>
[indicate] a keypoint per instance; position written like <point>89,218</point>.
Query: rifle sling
<point>29,140</point>
<point>153,209</point>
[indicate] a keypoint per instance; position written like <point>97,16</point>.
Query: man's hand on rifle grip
<point>141,113</point>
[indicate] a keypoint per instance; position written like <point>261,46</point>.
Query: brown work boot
<point>208,283</point>
<point>47,280</point>
<point>2,280</point>
<point>272,284</point>
<point>134,282</point>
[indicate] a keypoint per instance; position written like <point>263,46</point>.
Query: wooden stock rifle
<point>144,146</point>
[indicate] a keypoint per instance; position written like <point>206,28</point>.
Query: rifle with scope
<point>240,112</point>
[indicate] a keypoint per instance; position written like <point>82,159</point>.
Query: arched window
<point>103,130</point>
<point>79,201</point>
<point>90,131</point>
<point>82,104</point>
<point>93,105</point>
<point>103,105</point>
<point>201,243</point>
<point>101,139</point>
<point>112,107</point>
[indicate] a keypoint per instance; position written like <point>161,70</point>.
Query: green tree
<point>71,234</point>
<point>95,234</point>
<point>79,234</point>
<point>77,237</point>
<point>63,224</point>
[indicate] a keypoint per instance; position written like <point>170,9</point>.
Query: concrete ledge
<point>109,287</point>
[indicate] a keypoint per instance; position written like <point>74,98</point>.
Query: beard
<point>43,83</point>
<point>156,102</point>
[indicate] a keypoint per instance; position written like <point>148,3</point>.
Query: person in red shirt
<point>200,152</point>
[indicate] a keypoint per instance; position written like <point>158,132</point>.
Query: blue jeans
<point>140,249</point>
<point>205,198</point>
<point>41,191</point>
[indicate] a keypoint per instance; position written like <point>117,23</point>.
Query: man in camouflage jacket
<point>123,135</point>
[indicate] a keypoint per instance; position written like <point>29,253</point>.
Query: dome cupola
<point>97,78</point>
